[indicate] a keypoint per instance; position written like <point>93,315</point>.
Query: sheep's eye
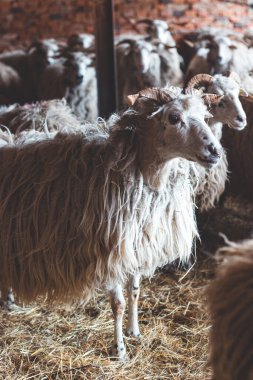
<point>221,104</point>
<point>174,118</point>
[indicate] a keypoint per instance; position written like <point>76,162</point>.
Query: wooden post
<point>105,57</point>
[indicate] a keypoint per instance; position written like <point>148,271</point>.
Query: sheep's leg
<point>118,305</point>
<point>133,291</point>
<point>7,299</point>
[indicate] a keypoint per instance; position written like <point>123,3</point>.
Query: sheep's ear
<point>208,115</point>
<point>131,99</point>
<point>243,92</point>
<point>189,43</point>
<point>234,76</point>
<point>210,99</point>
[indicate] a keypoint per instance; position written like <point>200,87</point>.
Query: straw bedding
<point>72,342</point>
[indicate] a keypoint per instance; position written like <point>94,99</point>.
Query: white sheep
<point>74,78</point>
<point>10,85</point>
<point>99,207</point>
<point>240,155</point>
<point>228,110</point>
<point>138,66</point>
<point>170,67</point>
<point>220,51</point>
<point>45,116</point>
<point>80,41</point>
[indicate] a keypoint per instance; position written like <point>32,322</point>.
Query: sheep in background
<point>45,116</point>
<point>29,66</point>
<point>45,51</point>
<point>159,34</point>
<point>83,98</point>
<point>138,66</point>
<point>74,78</point>
<point>132,178</point>
<point>10,85</point>
<point>230,302</point>
<point>220,51</point>
<point>80,41</point>
<point>228,110</point>
<point>240,155</point>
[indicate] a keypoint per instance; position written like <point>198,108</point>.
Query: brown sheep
<point>230,299</point>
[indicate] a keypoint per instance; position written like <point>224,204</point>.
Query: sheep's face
<point>52,49</point>
<point>184,132</point>
<point>229,110</point>
<point>44,52</point>
<point>75,68</point>
<point>78,41</point>
<point>160,30</point>
<point>177,128</point>
<point>141,54</point>
<point>220,52</point>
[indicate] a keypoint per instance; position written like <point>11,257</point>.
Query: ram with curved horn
<point>222,95</point>
<point>135,176</point>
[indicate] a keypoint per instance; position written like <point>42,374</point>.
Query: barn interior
<point>72,341</point>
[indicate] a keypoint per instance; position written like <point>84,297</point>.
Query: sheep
<point>228,111</point>
<point>159,34</point>
<point>10,85</point>
<point>98,208</point>
<point>80,41</point>
<point>239,153</point>
<point>221,52</point>
<point>45,116</point>
<point>230,304</point>
<point>45,51</point>
<point>29,66</point>
<point>138,66</point>
<point>74,78</point>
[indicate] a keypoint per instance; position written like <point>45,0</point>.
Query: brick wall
<point>45,18</point>
<point>27,19</point>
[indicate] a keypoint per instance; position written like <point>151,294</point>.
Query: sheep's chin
<point>235,126</point>
<point>207,163</point>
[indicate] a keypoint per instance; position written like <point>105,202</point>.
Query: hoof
<point>119,352</point>
<point>134,334</point>
<point>13,307</point>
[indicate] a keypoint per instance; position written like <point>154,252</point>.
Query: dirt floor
<point>73,342</point>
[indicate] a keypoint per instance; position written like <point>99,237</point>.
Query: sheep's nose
<point>240,118</point>
<point>213,150</point>
<point>79,78</point>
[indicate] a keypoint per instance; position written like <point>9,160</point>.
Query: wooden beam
<point>105,57</point>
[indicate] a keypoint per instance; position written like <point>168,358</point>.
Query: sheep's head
<point>220,51</point>
<point>176,125</point>
<point>228,110</point>
<point>44,52</point>
<point>141,53</point>
<point>157,29</point>
<point>79,41</point>
<point>75,67</point>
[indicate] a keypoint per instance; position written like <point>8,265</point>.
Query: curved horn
<point>212,98</point>
<point>126,41</point>
<point>154,93</point>
<point>157,94</point>
<point>198,81</point>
